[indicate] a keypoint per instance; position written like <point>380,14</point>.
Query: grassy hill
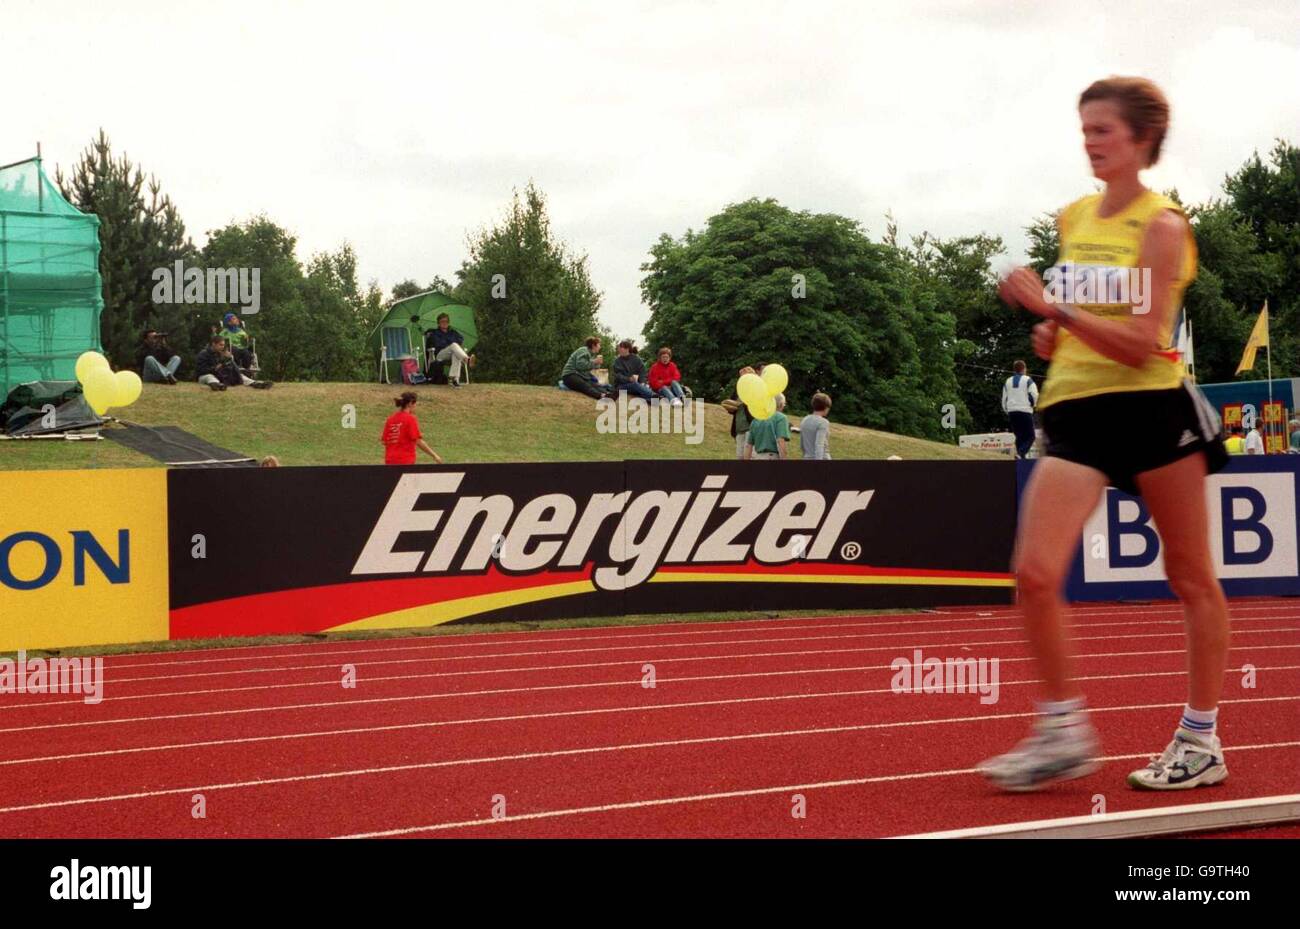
<point>302,424</point>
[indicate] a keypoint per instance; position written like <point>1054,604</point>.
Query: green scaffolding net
<point>50,288</point>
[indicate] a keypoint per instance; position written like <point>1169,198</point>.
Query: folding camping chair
<point>430,359</point>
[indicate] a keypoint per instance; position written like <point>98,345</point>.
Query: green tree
<point>957,275</point>
<point>762,283</point>
<point>533,298</point>
<point>409,287</point>
<point>1267,197</point>
<point>287,336</point>
<point>1232,276</point>
<point>140,230</point>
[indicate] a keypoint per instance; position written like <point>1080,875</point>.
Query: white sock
<point>1199,722</point>
<point>1060,707</point>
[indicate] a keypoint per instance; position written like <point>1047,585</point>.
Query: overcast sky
<point>399,127</point>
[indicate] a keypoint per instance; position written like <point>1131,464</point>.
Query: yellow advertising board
<point>83,557</point>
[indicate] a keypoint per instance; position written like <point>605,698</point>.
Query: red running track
<point>760,728</point>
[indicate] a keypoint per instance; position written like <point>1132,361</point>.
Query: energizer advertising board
<point>256,552</point>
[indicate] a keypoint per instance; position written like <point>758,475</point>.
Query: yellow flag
<point>1258,339</point>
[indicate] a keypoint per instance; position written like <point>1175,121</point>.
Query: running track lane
<point>617,790</point>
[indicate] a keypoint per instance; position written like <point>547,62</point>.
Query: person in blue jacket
<point>447,345</point>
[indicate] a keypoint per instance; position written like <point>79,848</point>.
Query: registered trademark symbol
<point>850,551</point>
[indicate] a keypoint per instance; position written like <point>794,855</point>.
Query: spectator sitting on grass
<point>448,345</point>
<point>628,372</point>
<point>577,370</point>
<point>158,363</point>
<point>769,438</point>
<point>216,367</point>
<point>815,430</point>
<point>237,340</point>
<point>665,379</point>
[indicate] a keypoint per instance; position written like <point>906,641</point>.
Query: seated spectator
<point>216,367</point>
<point>665,379</point>
<point>577,370</point>
<point>1294,428</point>
<point>447,345</point>
<point>236,337</point>
<point>769,438</point>
<point>628,372</point>
<point>158,363</point>
<point>815,430</point>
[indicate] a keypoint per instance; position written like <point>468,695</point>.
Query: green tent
<point>51,294</point>
<point>400,334</point>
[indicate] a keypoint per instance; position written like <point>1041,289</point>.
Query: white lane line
<point>322,649</point>
<point>431,724</point>
<point>527,756</point>
<point>427,660</point>
<point>634,680</point>
<point>727,795</point>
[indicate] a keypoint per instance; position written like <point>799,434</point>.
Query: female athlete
<point>1113,367</point>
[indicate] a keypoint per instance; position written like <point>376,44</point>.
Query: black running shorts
<point>1125,434</point>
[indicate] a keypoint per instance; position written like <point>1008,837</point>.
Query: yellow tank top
<point>1093,250</point>
<point>1236,445</point>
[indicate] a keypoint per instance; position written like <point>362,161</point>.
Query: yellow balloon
<point>776,378</point>
<point>89,361</point>
<point>127,387</point>
<point>100,388</point>
<point>751,390</point>
<point>763,410</point>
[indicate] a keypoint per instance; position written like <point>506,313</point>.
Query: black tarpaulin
<point>177,448</point>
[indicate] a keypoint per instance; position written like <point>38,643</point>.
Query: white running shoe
<point>677,401</point>
<point>1060,748</point>
<point>1190,760</point>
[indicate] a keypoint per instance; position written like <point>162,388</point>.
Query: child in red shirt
<point>402,433</point>
<point>665,379</point>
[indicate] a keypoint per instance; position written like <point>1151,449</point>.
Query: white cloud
<point>401,126</point>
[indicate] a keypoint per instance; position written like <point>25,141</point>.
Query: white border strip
<point>1132,824</point>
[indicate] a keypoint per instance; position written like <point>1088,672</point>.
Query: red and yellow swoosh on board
<point>396,603</point>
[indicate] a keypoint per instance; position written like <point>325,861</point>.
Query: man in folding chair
<point>446,344</point>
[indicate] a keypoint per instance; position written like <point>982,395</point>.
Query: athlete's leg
<point>1175,495</point>
<point>1060,496</point>
<point>1062,744</point>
